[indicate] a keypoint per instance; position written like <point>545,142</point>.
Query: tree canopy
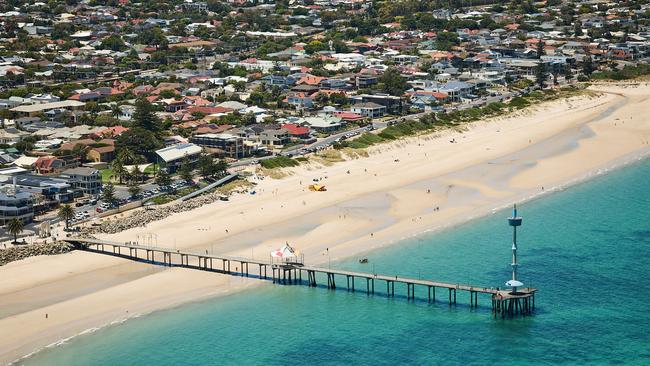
<point>141,142</point>
<point>393,82</point>
<point>145,116</point>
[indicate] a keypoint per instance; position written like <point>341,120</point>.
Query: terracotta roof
<point>113,131</point>
<point>310,80</point>
<point>295,130</point>
<point>349,116</point>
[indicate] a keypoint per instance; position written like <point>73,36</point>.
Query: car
<point>93,201</point>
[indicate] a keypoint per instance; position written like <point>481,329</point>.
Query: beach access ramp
<point>210,186</point>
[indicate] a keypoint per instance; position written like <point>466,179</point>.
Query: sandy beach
<point>402,189</point>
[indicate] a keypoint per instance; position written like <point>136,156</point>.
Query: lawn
<point>151,169</point>
<point>107,174</point>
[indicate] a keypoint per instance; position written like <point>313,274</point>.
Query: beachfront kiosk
<point>517,300</point>
<point>285,262</point>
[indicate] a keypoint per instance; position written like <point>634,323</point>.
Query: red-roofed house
<point>112,132</point>
<point>296,131</point>
<point>49,165</point>
<point>349,116</point>
<point>310,80</point>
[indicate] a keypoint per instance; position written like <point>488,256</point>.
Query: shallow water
<point>587,249</point>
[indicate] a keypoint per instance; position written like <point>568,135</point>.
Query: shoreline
<point>628,161</point>
<point>478,183</point>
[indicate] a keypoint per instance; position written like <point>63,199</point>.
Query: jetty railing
<point>504,302</point>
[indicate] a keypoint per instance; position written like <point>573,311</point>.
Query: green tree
<point>541,74</point>
<point>113,43</point>
<point>145,117</point>
<point>567,72</point>
<point>136,175</point>
<point>140,142</point>
<point>15,227</point>
<point>577,29</point>
<point>66,213</point>
<point>127,157</point>
<point>338,98</point>
<point>392,81</point>
<point>134,189</point>
<point>108,194</point>
<point>162,178</point>
<point>115,110</point>
<point>588,66</point>
<point>118,169</point>
<point>446,40</point>
<point>153,36</point>
<point>186,170</point>
<point>220,168</point>
<point>206,166</point>
<point>79,151</point>
<point>322,99</point>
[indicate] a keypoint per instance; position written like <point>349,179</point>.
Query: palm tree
<point>66,212</point>
<point>136,174</point>
<point>15,227</point>
<point>115,110</point>
<point>127,156</point>
<point>80,151</point>
<point>118,169</point>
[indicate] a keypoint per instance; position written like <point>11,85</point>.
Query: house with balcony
<point>224,145</point>
<point>300,100</point>
<point>369,109</point>
<point>86,180</point>
<point>274,137</point>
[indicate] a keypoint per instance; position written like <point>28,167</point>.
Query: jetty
<point>285,270</point>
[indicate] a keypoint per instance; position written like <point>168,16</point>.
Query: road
<point>300,150</point>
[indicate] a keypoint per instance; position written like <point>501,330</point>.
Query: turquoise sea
<point>586,248</point>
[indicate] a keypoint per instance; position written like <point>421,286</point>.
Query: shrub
<point>279,162</point>
<point>519,103</point>
<point>626,73</point>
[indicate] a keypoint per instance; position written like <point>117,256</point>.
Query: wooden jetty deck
<point>504,303</point>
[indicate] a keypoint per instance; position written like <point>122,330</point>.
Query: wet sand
<point>391,195</point>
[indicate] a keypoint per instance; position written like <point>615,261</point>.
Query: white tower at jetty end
<point>514,221</point>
